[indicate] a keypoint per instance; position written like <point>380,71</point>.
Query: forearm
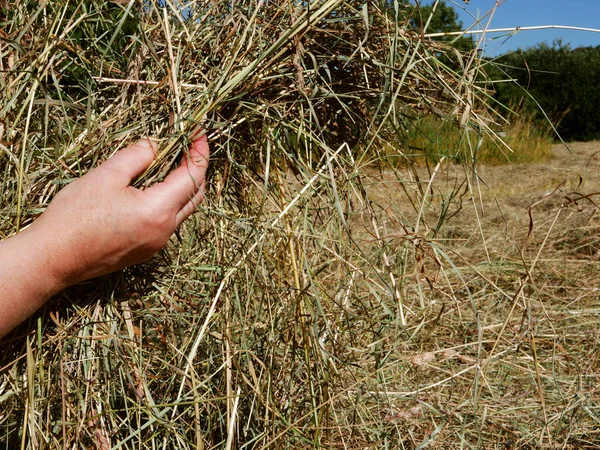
<point>27,278</point>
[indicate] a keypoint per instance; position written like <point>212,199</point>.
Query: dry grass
<point>323,297</point>
<point>521,140</point>
<point>504,353</point>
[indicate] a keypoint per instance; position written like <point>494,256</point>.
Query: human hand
<point>100,223</point>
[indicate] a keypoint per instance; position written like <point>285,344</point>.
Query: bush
<point>562,81</point>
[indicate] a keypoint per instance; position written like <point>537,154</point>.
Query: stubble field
<point>502,343</point>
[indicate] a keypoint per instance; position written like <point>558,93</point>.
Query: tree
<point>444,19</point>
<point>563,81</point>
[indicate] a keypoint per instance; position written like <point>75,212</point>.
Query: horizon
<point>532,13</point>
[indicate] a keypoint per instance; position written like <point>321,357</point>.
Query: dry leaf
<point>466,359</point>
<point>422,359</point>
<point>405,414</point>
<point>449,353</point>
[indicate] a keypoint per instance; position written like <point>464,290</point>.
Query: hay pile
<point>265,323</point>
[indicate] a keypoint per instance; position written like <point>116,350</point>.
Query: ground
<point>502,313</point>
<point>445,314</point>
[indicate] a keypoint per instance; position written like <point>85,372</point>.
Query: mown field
<point>350,282</point>
<point>502,343</point>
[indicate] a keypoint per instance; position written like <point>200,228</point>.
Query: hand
<point>100,223</point>
<point>96,225</point>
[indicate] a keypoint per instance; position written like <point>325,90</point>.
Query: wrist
<point>28,278</point>
<point>46,261</point>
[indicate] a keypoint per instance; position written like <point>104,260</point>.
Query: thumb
<point>132,161</point>
<point>185,184</point>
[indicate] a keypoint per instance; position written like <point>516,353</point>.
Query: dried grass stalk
<point>279,317</point>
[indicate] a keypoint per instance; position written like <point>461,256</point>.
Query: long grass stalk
<point>350,280</point>
<point>512,30</point>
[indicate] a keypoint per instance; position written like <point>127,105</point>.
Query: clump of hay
<point>249,327</point>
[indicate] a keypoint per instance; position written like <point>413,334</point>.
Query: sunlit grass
<point>522,140</point>
<point>324,296</point>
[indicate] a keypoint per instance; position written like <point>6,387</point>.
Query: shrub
<point>559,80</point>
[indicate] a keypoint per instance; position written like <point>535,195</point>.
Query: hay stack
<point>249,328</point>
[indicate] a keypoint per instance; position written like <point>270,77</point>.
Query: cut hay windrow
<point>302,305</point>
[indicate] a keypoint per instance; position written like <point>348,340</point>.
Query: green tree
<point>444,19</point>
<point>563,81</point>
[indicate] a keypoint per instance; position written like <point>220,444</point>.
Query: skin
<point>96,225</point>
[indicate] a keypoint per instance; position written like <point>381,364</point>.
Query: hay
<point>297,308</point>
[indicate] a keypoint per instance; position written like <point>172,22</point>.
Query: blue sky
<point>513,13</point>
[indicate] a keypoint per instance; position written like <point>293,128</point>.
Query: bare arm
<point>96,225</point>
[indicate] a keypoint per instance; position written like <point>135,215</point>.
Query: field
<point>349,282</point>
<point>506,354</point>
<point>489,338</point>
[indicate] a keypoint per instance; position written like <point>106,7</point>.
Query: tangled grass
<point>318,299</point>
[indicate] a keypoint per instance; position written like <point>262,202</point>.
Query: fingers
<point>183,188</point>
<point>191,206</point>
<point>132,161</point>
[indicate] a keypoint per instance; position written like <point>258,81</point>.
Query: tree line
<point>549,82</point>
<point>556,81</point>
